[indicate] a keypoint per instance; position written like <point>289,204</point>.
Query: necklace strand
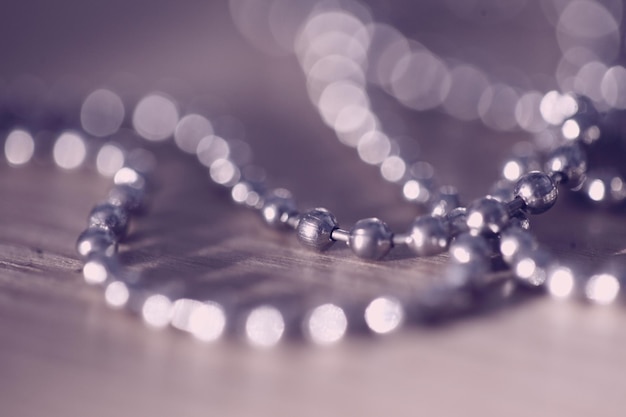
<point>494,225</point>
<point>265,324</point>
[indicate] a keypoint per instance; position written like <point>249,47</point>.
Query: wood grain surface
<point>63,352</point>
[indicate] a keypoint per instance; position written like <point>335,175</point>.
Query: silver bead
<point>96,241</point>
<point>127,198</point>
<point>570,162</point>
<point>99,270</point>
<point>487,215</point>
<point>370,239</point>
<point>603,288</point>
<point>468,249</point>
<point>538,192</point>
<point>532,268</point>
<point>131,177</point>
<point>420,187</point>
<point>109,217</point>
<point>457,221</point>
<point>606,188</point>
<point>515,241</point>
<point>248,193</point>
<point>524,160</point>
<point>278,207</point>
<point>470,261</point>
<point>315,228</point>
<point>446,200</point>
<point>429,235</point>
<point>561,282</point>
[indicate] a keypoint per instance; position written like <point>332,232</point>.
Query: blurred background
<point>272,64</point>
<point>455,82</point>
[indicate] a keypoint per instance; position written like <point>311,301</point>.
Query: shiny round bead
<point>315,228</point>
<point>532,268</point>
<point>98,269</point>
<point>420,187</point>
<point>538,192</point>
<point>457,221</point>
<point>569,162</point>
<point>603,288</point>
<point>278,207</point>
<point>96,241</point>
<point>127,198</point>
<point>561,282</point>
<point>582,128</point>
<point>487,215</point>
<point>467,249</point>
<point>248,193</point>
<point>419,191</point>
<point>606,188</point>
<point>524,160</point>
<point>109,217</point>
<point>429,235</point>
<point>370,239</point>
<point>131,177</point>
<point>583,117</point>
<point>446,200</point>
<point>515,241</point>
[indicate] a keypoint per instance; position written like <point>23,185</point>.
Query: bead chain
<point>534,192</point>
<point>108,223</point>
<point>471,230</point>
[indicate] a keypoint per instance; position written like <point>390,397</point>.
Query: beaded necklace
<point>497,221</point>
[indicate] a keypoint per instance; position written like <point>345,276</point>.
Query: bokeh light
<point>69,150</point>
<point>102,113</point>
<point>155,117</point>
<point>19,147</point>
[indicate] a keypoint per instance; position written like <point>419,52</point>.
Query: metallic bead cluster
<point>489,227</point>
<point>566,164</point>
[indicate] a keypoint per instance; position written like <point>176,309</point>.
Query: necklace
<point>324,322</point>
<point>318,229</point>
<point>566,163</point>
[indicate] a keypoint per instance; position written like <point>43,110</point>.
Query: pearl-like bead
<point>487,215</point>
<point>127,198</point>
<point>532,268</point>
<point>370,239</point>
<point>524,160</point>
<point>570,162</point>
<point>248,193</point>
<point>315,228</point>
<point>278,206</point>
<point>96,241</point>
<point>468,248</point>
<point>538,192</point>
<point>515,241</point>
<point>605,187</point>
<point>470,256</point>
<point>98,269</point>
<point>429,235</point>
<point>457,221</point>
<point>109,217</point>
<point>446,200</point>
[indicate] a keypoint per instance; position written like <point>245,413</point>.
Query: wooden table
<point>63,352</point>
